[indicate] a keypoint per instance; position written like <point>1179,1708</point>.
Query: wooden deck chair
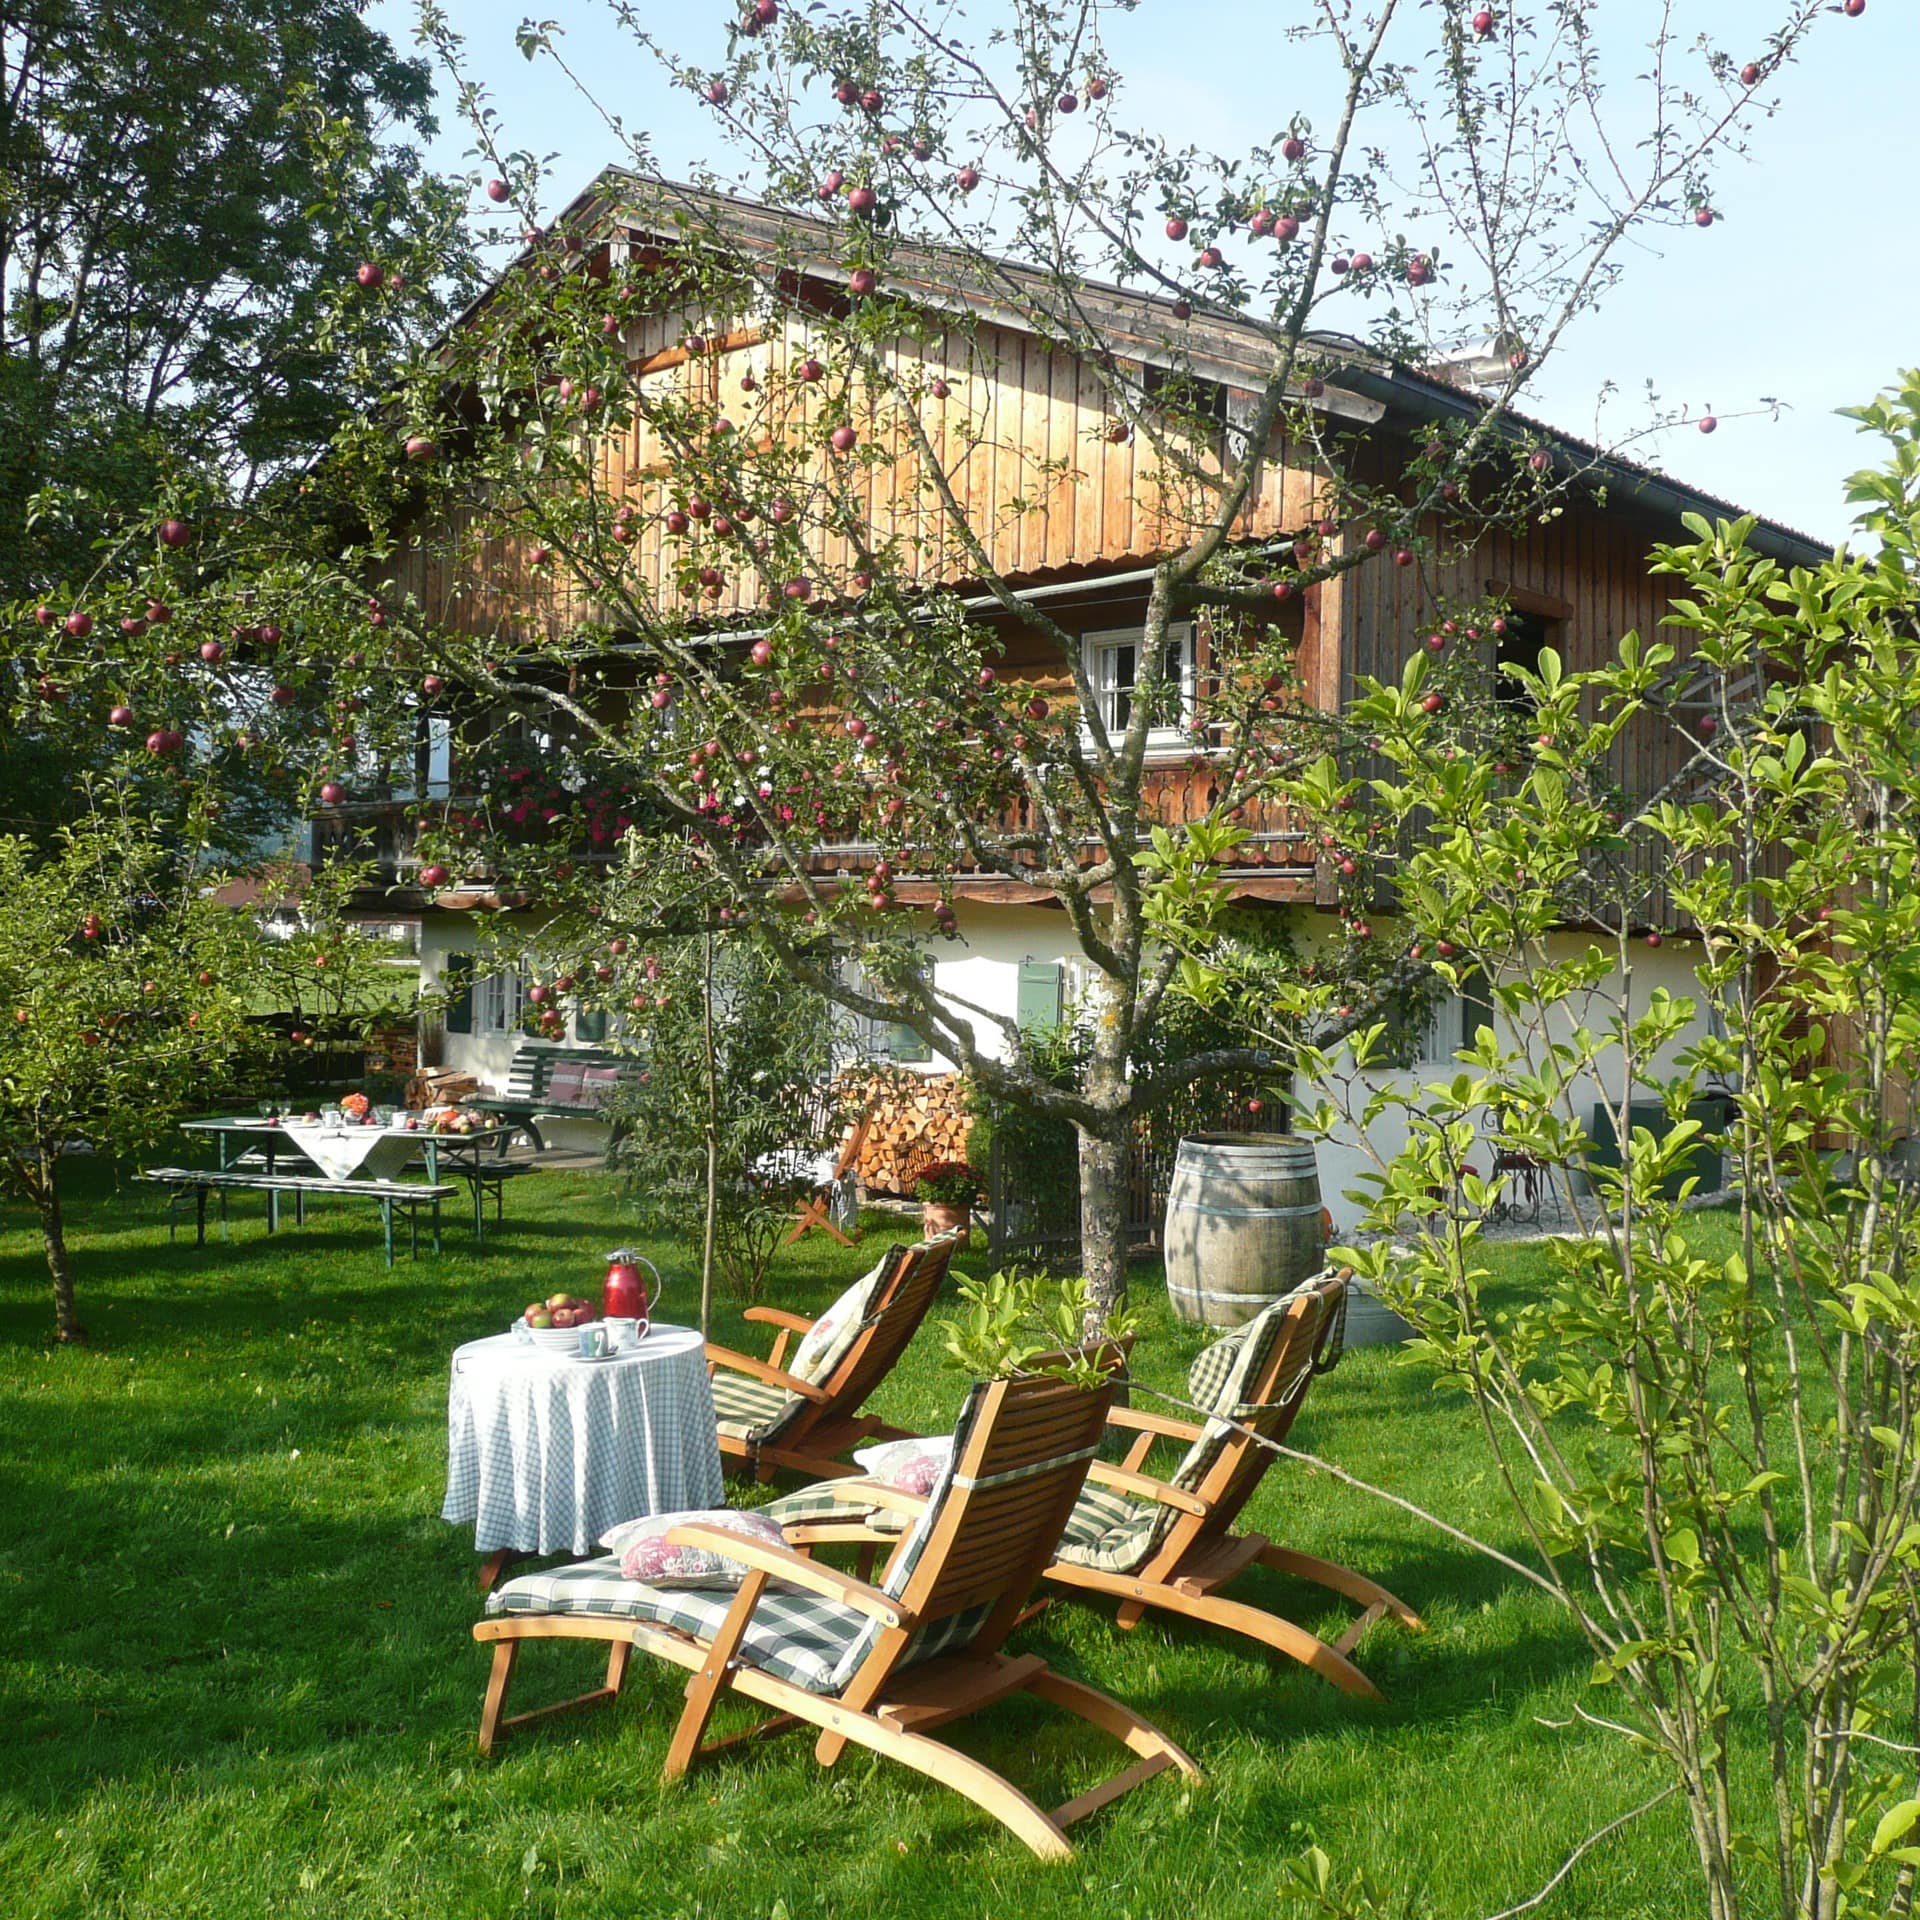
<point>773,1413</point>
<point>831,1169</point>
<point>1170,1543</point>
<point>879,1666</point>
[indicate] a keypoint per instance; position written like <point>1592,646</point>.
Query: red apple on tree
<point>79,624</point>
<point>174,533</point>
<point>433,875</point>
<point>1176,228</point>
<point>332,793</point>
<point>120,717</point>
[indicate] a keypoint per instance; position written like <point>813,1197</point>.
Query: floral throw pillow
<point>832,1334</point>
<point>646,1555</point>
<point>914,1466</point>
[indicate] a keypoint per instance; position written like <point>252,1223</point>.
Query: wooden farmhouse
<point>1075,510</point>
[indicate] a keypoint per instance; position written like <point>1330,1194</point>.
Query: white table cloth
<point>545,1452</point>
<point>340,1152</point>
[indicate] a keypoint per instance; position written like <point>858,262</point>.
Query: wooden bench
<point>549,1081</point>
<point>408,1196</point>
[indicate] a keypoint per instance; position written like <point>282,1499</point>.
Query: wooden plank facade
<point>1058,493</point>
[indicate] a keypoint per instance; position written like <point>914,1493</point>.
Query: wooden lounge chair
<point>831,1169</point>
<point>772,1417</point>
<point>880,1666</point>
<point>1169,1543</point>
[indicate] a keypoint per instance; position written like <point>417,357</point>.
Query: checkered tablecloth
<point>546,1452</point>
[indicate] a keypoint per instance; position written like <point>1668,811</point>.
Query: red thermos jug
<point>625,1295</point>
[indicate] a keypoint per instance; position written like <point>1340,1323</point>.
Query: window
<point>590,1026</point>
<point>1455,1022</point>
<point>899,1044</point>
<point>1520,646</point>
<point>497,1000</point>
<point>1113,663</point>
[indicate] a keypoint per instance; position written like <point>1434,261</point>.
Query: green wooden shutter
<point>456,979</point>
<point>1039,1004</point>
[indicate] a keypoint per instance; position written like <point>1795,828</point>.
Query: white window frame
<point>498,1000</point>
<point>1099,652</point>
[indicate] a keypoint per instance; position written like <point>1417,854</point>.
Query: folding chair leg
<point>703,1690</point>
<point>506,1655</point>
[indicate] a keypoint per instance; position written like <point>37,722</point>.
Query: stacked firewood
<point>440,1087</point>
<point>914,1119</point>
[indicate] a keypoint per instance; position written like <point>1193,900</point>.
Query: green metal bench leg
<point>479,1210</point>
<point>436,1227</point>
<point>200,1216</point>
<point>300,1208</point>
<point>386,1222</point>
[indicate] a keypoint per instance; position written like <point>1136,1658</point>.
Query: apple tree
<point>782,624</point>
<point>1706,1427</point>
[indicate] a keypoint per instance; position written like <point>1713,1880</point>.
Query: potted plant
<point>947,1190</point>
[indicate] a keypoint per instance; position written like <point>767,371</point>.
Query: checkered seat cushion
<point>814,1642</point>
<point>1114,1532</point>
<point>749,1409</point>
<point>794,1636</point>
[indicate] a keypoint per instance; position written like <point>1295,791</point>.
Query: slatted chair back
<point>900,1303</point>
<point>1268,1400</point>
<point>1021,1452</point>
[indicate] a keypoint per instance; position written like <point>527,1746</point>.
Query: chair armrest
<point>779,1317</point>
<point>1152,1423</point>
<point>763,1370</point>
<point>784,1564</point>
<point>1162,1492</point>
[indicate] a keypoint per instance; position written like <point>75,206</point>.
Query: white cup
<point>622,1333</point>
<point>593,1340</point>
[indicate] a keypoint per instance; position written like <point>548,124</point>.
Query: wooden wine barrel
<point>1244,1224</point>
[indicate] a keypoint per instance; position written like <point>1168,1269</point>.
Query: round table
<point>546,1451</point>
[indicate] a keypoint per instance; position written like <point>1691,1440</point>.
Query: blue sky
<point>1807,289</point>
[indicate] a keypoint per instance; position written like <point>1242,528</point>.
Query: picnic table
<point>346,1153</point>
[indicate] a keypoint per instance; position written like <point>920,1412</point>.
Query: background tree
<point>1715,1459</point>
<point>126,992</point>
<point>772,1049</point>
<point>184,190</point>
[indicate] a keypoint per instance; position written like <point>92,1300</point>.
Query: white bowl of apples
<point>553,1323</point>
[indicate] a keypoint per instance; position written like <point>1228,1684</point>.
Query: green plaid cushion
<point>749,1409</point>
<point>1114,1532</point>
<point>1109,1530</point>
<point>834,1500</point>
<point>1211,1371</point>
<point>795,1636</point>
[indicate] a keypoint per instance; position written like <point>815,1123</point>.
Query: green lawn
<point>238,1678</point>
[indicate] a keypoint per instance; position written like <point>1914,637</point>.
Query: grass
<point>238,1679</point>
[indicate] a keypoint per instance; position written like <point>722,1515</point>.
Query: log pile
<point>915,1119</point>
<point>440,1087</point>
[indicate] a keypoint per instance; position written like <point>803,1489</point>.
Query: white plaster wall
<point>488,1056</point>
<point>1344,1159</point>
<point>980,967</point>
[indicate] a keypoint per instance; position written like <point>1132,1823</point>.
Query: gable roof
<point>1137,325</point>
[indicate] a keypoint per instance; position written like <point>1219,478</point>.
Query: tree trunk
<point>1103,1217</point>
<point>46,1199</point>
<point>712,1217</point>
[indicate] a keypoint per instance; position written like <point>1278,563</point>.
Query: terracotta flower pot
<point>944,1216</point>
